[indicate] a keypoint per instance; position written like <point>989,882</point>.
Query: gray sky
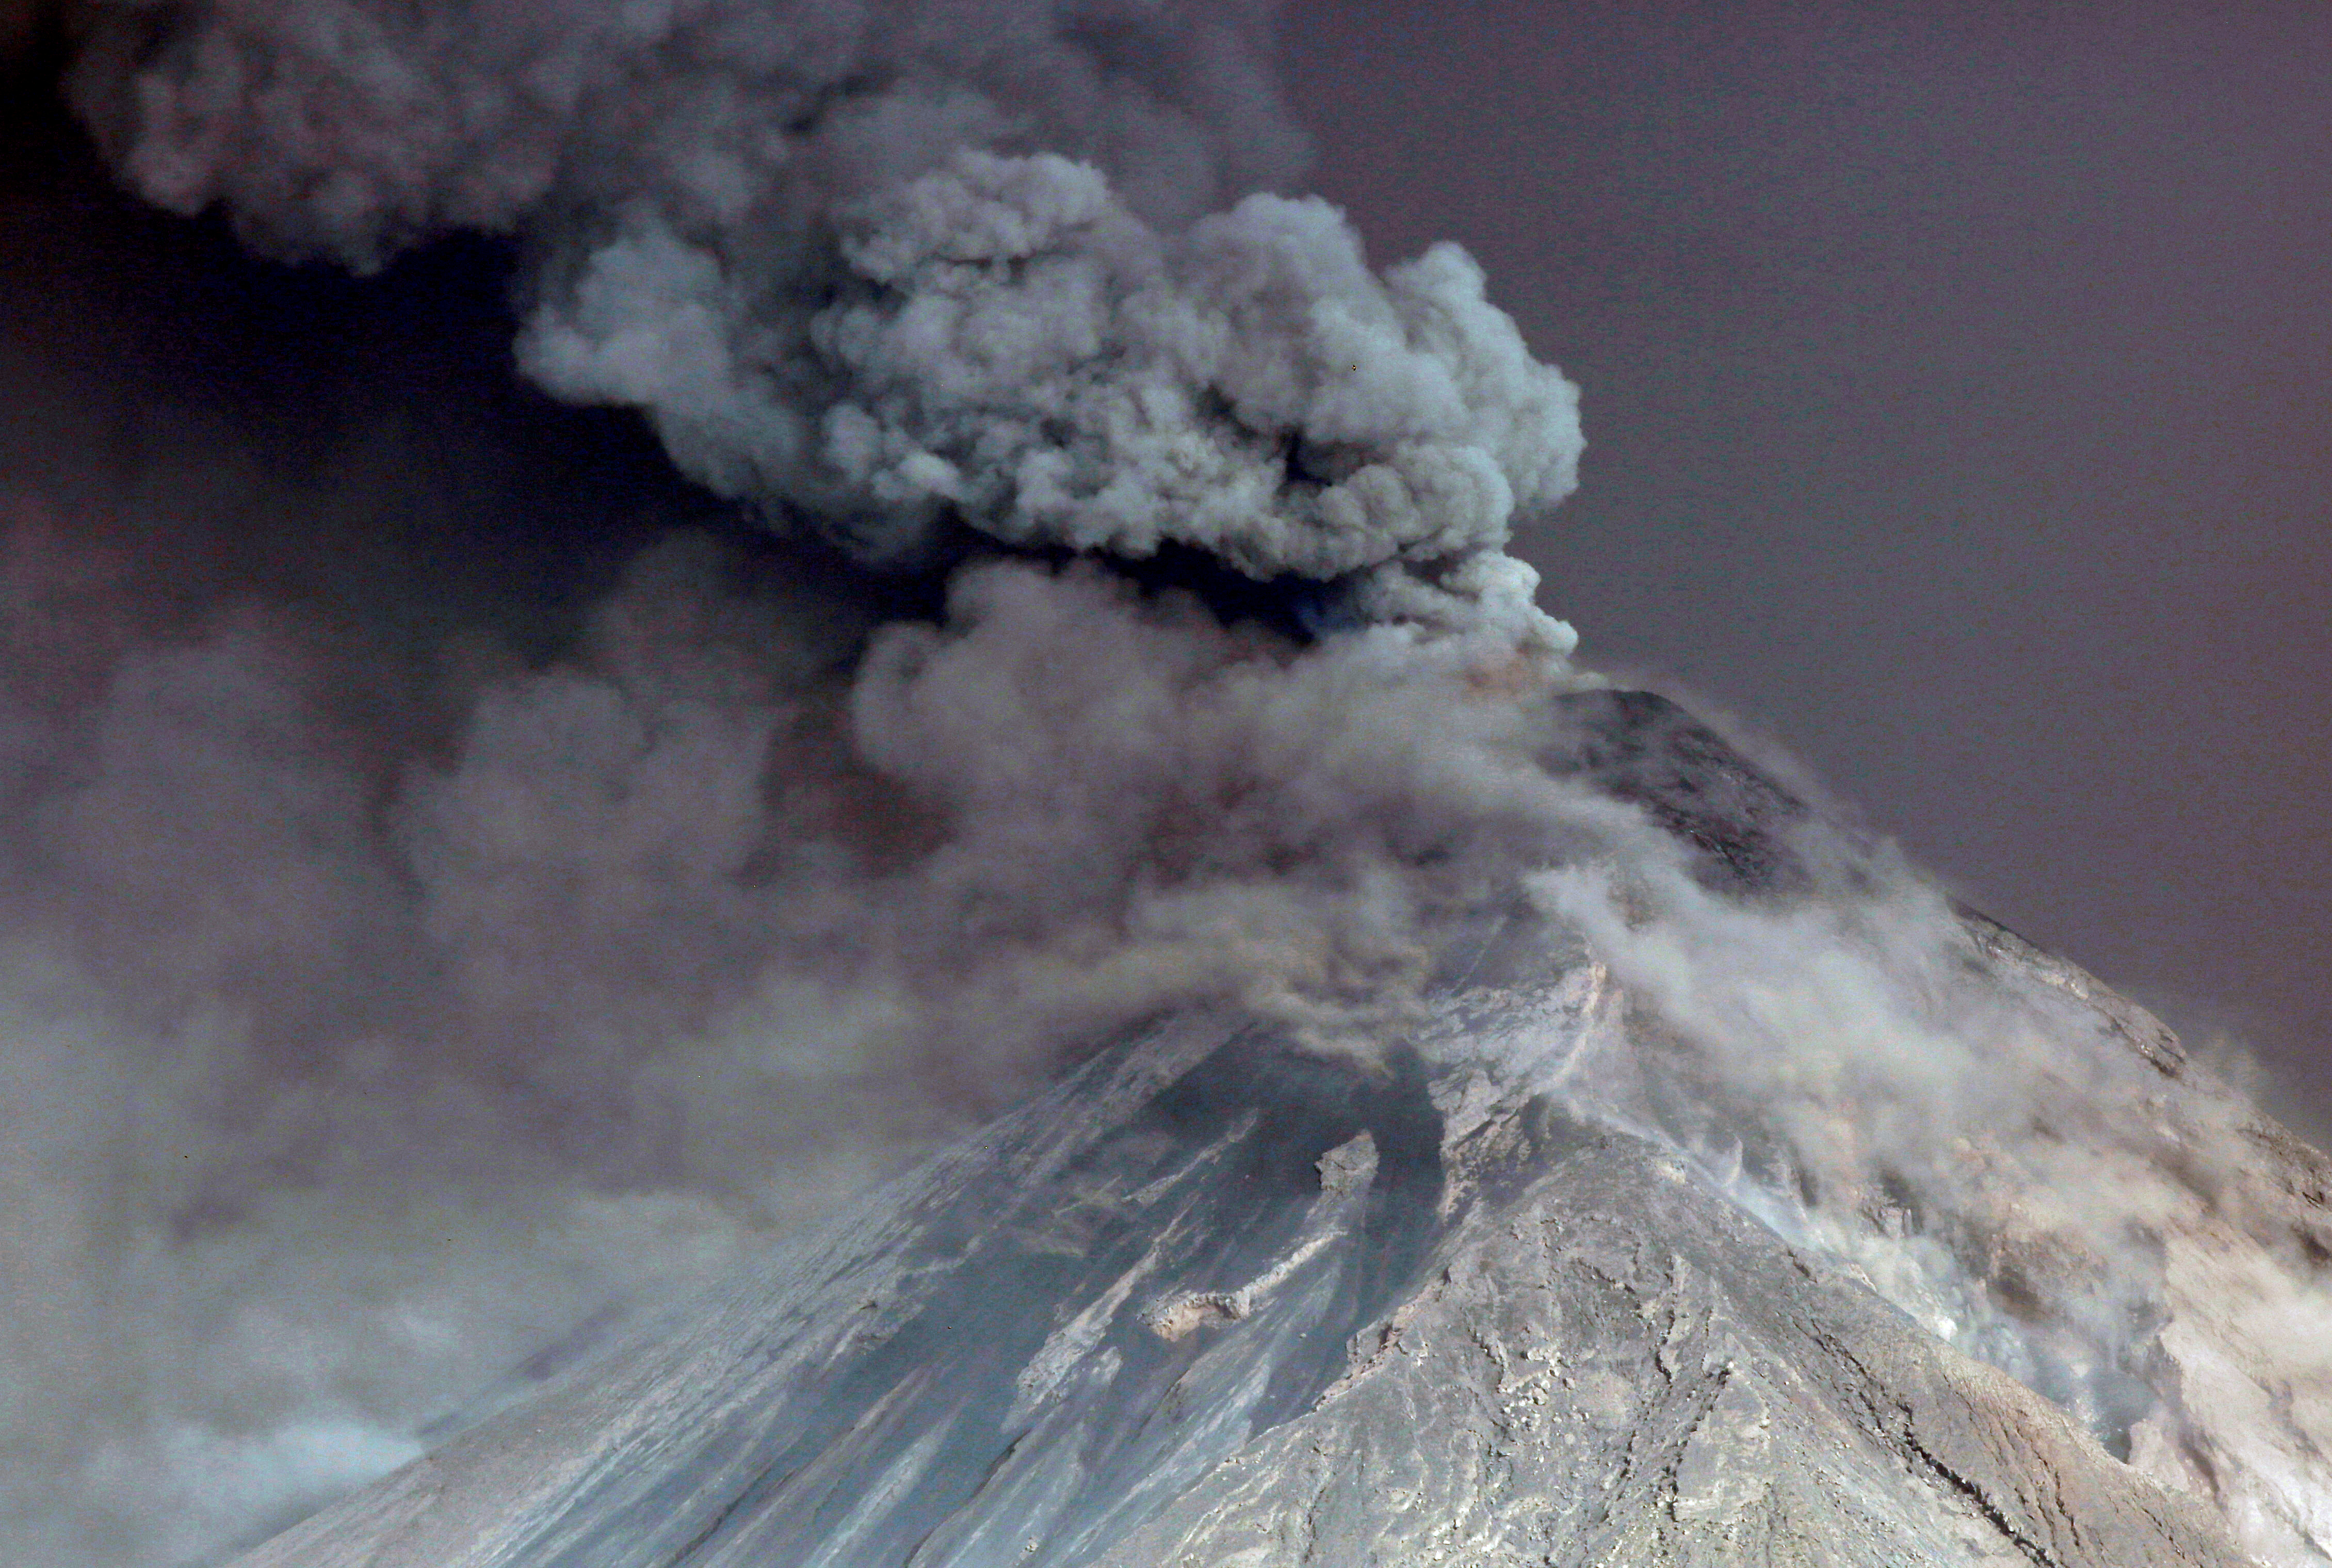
<point>1956,397</point>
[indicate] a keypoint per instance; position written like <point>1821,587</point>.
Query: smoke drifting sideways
<point>461,880</point>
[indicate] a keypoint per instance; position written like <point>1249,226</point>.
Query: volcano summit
<point>1506,1293</point>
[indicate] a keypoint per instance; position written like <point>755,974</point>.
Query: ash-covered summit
<point>1533,1283</point>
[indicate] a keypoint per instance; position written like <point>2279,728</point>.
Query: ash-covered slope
<point>1528,1288</point>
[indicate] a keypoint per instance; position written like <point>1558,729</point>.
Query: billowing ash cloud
<point>893,269</point>
<point>409,957</point>
<point>396,981</point>
<point>404,970</point>
<point>357,1054</point>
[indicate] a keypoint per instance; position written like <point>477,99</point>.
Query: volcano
<point>1515,1287</point>
<point>858,650</point>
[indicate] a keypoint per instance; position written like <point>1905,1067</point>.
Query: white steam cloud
<point>383,1009</point>
<point>2022,1162</point>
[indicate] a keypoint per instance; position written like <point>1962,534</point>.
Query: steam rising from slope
<point>398,976</point>
<point>2022,1162</point>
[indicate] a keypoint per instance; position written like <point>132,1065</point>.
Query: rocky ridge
<point>1215,1300</point>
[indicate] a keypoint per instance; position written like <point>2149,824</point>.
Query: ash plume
<point>462,885</point>
<point>895,270</point>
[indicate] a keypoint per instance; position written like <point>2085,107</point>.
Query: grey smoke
<point>885,270</point>
<point>383,1020</point>
<point>377,1023</point>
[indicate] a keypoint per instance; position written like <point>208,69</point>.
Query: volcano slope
<point>1539,1281</point>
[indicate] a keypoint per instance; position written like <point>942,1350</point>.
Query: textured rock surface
<point>1613,1369</point>
<point>1218,1301</point>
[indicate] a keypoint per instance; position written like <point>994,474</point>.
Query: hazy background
<point>1957,405</point>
